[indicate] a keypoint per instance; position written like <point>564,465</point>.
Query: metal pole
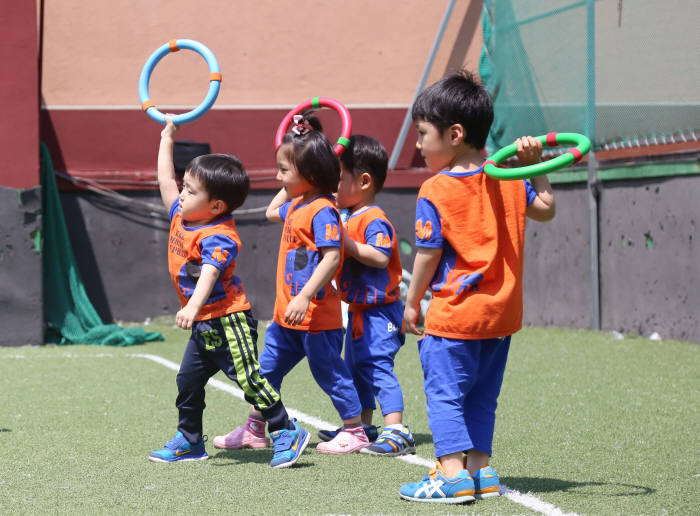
<point>593,184</point>
<point>398,146</point>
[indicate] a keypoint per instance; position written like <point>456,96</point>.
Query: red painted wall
<point>120,146</point>
<point>19,103</point>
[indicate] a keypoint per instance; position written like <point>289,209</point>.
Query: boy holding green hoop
<point>202,251</point>
<point>470,234</point>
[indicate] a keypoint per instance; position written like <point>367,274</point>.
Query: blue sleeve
<point>173,209</point>
<point>326,227</point>
<point>530,193</point>
<point>428,226</point>
<point>218,250</point>
<point>284,209</point>
<point>380,235</point>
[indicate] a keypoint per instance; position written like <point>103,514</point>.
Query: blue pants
<point>227,344</point>
<point>462,380</point>
<point>285,348</point>
<point>370,354</point>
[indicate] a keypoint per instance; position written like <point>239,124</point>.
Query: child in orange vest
<point>470,234</point>
<point>202,251</point>
<point>307,319</point>
<point>370,285</point>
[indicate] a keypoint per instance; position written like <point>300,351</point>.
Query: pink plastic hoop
<point>317,102</point>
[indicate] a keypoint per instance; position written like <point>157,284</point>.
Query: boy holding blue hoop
<point>470,231</point>
<point>202,249</point>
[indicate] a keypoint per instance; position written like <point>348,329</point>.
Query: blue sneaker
<point>371,431</point>
<point>392,443</point>
<point>178,448</point>
<point>439,488</point>
<point>486,483</point>
<point>288,445</point>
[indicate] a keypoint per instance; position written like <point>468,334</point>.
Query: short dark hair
<point>223,177</point>
<point>310,117</point>
<point>365,154</point>
<point>314,158</point>
<point>457,99</point>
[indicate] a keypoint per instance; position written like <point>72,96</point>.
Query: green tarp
<point>68,313</point>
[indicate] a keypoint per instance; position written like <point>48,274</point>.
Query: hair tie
<point>301,126</point>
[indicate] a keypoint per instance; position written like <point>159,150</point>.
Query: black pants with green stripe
<point>227,344</point>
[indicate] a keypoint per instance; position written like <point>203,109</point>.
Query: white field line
<point>525,499</point>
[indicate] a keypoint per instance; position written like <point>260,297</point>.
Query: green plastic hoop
<point>571,156</point>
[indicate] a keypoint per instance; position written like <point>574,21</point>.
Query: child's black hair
<point>457,99</point>
<point>365,154</point>
<point>310,117</point>
<point>313,156</point>
<point>223,177</point>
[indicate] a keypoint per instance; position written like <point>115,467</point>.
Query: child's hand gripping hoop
<point>214,81</point>
<point>317,102</point>
<point>583,145</point>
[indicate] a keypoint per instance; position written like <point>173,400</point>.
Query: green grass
<point>589,424</point>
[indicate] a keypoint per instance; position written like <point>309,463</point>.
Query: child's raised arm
<point>542,207</point>
<point>166,169</point>
<point>273,210</point>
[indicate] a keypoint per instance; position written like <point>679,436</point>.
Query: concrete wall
<point>273,56</point>
<point>271,52</point>
<point>20,267</point>
<point>645,287</point>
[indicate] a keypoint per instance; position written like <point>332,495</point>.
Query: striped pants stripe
<point>227,344</point>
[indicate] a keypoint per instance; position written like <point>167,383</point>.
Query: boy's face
<point>287,174</point>
<point>350,192</point>
<point>196,207</point>
<point>434,147</point>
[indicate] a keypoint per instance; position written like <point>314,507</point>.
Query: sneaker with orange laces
<point>345,442</point>
<point>250,435</point>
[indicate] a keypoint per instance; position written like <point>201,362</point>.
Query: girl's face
<point>433,146</point>
<point>195,206</point>
<point>292,181</point>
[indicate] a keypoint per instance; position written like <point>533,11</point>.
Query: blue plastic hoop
<point>214,81</point>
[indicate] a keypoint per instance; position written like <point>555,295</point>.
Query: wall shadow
<point>601,489</point>
<point>470,22</point>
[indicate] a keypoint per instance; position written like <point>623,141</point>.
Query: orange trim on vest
<point>173,45</point>
<point>147,105</point>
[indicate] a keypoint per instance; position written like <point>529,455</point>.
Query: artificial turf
<point>586,423</point>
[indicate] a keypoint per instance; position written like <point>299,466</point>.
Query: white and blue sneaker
<point>439,488</point>
<point>393,442</point>
<point>180,449</point>
<point>288,445</point>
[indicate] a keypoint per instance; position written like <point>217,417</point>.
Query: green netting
<point>68,313</point>
<point>626,73</point>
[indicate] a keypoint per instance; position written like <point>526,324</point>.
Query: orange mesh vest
<point>185,264</point>
<point>477,289</point>
<point>297,260</point>
<point>361,285</point>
